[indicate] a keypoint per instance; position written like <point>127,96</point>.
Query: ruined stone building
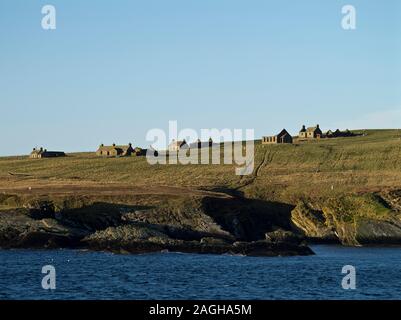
<point>177,145</point>
<point>114,150</point>
<point>282,137</point>
<point>43,153</point>
<point>338,134</point>
<point>310,133</point>
<point>202,144</point>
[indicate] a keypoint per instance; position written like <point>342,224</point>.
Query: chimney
<point>317,126</point>
<point>303,127</point>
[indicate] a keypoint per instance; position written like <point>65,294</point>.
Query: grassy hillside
<point>346,189</point>
<point>283,172</point>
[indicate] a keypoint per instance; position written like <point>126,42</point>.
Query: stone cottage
<point>202,144</point>
<point>282,137</point>
<point>139,152</point>
<point>177,145</point>
<point>338,133</point>
<point>43,153</point>
<point>114,150</point>
<point>310,133</point>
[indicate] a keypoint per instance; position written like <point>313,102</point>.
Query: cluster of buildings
<point>38,153</point>
<point>305,134</point>
<point>119,150</point>
<point>338,133</point>
<point>127,150</point>
<point>176,145</point>
<point>123,150</point>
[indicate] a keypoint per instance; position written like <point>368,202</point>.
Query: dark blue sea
<point>98,275</point>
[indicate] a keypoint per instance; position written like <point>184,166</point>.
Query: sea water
<point>100,275</point>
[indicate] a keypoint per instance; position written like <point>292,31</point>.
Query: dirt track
<point>40,188</point>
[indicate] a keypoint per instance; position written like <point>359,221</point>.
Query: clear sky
<point>112,70</point>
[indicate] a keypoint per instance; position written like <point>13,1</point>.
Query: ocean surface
<point>98,275</point>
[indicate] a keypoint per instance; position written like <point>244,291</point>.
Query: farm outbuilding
<point>282,137</point>
<point>115,150</point>
<point>311,132</point>
<point>177,145</point>
<point>43,153</point>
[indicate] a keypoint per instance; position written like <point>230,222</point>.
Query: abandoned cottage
<point>310,133</point>
<point>115,151</point>
<point>38,153</point>
<point>282,137</point>
<point>177,145</point>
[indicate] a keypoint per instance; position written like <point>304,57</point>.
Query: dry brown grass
<point>312,169</point>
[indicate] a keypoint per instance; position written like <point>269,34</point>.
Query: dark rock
<point>41,210</point>
<point>182,227</point>
<point>281,235</point>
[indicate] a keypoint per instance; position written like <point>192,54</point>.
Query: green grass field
<point>351,185</point>
<point>314,169</point>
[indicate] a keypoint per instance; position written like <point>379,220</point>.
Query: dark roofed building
<point>282,137</point>
<point>177,145</point>
<point>139,152</point>
<point>310,133</point>
<point>43,153</point>
<point>302,132</point>
<point>202,144</point>
<point>338,133</point>
<point>348,133</point>
<point>114,150</point>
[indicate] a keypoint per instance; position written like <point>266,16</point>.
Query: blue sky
<point>112,70</point>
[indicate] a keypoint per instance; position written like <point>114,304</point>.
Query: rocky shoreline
<point>83,223</point>
<point>200,223</point>
<point>19,230</point>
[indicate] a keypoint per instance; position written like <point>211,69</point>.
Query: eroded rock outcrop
<point>182,224</point>
<point>203,224</point>
<point>365,219</point>
<point>312,223</point>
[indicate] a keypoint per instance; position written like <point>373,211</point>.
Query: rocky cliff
<point>140,224</point>
<point>359,219</point>
<point>205,223</point>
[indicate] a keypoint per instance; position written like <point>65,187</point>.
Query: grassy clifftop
<point>341,189</point>
<point>284,172</point>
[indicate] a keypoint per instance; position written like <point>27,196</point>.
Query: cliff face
<point>202,223</point>
<point>352,219</point>
<point>312,223</point>
<point>330,191</point>
<point>141,224</point>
